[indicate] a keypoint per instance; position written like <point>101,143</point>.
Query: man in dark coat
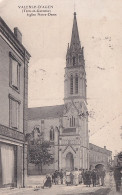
<point>56,177</point>
<point>94,177</point>
<point>61,176</point>
<point>83,176</point>
<point>117,177</point>
<point>88,178</point>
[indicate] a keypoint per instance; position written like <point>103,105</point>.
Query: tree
<point>40,154</point>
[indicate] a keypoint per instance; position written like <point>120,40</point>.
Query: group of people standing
<point>76,177</point>
<point>94,177</point>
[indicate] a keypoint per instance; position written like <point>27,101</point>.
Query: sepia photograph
<point>61,97</point>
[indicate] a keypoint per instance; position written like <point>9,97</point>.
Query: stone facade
<point>14,60</point>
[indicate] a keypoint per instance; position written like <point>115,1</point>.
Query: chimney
<point>18,34</point>
<point>105,147</point>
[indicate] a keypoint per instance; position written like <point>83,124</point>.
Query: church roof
<point>45,112</point>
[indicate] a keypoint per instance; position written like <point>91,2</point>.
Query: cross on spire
<point>74,5</point>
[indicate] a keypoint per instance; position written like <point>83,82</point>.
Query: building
<point>99,157</point>
<point>66,126</point>
<point>14,59</point>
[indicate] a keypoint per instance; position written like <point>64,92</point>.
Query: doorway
<point>7,165</point>
<point>69,161</point>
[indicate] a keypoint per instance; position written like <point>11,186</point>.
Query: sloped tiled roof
<point>45,112</point>
<point>98,148</point>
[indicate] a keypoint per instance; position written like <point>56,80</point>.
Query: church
<point>66,126</point>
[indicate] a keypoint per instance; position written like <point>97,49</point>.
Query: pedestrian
<point>117,178</point>
<point>97,176</point>
<point>75,177</point>
<point>71,177</point>
<point>87,178</point>
<point>61,176</point>
<point>83,176</point>
<point>93,177</point>
<point>48,182</point>
<point>53,180</point>
<point>68,178</point>
<point>64,177</point>
<point>102,177</point>
<point>56,177</point>
<point>80,176</point>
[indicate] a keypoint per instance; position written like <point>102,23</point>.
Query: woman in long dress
<point>68,178</point>
<point>76,177</point>
<point>48,182</point>
<point>64,178</point>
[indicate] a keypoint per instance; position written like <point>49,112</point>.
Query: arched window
<point>74,60</point>
<point>70,122</point>
<point>76,84</point>
<point>71,84</point>
<point>51,134</point>
<point>74,122</point>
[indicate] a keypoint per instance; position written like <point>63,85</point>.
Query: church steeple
<point>75,76</point>
<point>75,41</point>
<point>75,118</point>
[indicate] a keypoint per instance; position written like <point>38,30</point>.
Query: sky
<point>46,39</point>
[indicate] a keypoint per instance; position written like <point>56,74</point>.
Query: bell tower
<point>74,141</point>
<point>75,76</point>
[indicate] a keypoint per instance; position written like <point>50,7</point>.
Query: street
<point>57,190</point>
<point>34,184</point>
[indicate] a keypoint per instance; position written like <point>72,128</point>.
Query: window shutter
<point>14,73</point>
<point>14,121</point>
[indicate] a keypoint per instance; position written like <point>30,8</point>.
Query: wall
<point>5,89</point>
<point>9,44</point>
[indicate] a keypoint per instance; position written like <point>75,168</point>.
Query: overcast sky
<point>46,38</point>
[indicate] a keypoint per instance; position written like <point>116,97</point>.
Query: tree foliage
<point>40,154</point>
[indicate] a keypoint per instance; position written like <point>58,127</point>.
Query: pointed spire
<point>75,41</point>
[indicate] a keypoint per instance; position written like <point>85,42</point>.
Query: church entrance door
<point>69,161</point>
